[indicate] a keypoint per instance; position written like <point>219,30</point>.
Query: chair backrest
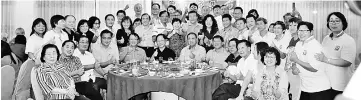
<point>23,84</point>
<point>36,87</point>
<point>7,82</point>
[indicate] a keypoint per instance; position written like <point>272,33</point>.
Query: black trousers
<point>100,83</point>
<point>149,51</point>
<point>334,93</point>
<point>226,91</point>
<point>87,89</point>
<point>322,95</point>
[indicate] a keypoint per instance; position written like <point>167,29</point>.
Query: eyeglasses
<point>335,21</point>
<point>270,57</point>
<point>303,31</point>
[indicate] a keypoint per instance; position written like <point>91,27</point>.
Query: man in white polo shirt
<point>262,35</point>
<point>246,64</point>
<point>86,58</point>
<point>315,84</point>
<point>339,53</point>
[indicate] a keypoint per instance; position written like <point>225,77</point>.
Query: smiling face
<point>120,16</point>
<point>193,17</point>
<point>109,21</point>
<point>232,47</point>
<point>192,40</point>
<point>61,24</point>
<point>50,55</point>
<point>240,25</point>
<point>237,13</point>
<point>83,44</point>
<point>270,60</point>
<point>251,22</point>
<point>335,23</point>
<point>68,48</point>
<point>261,25</point>
<point>84,28</point>
<point>145,20</point>
<point>209,22</point>
<point>278,30</point>
<point>217,43</point>
<point>70,22</point>
<point>133,41</point>
<point>164,17</point>
<point>155,9</point>
<point>96,24</point>
<point>126,24</point>
<point>243,50</point>
<point>293,27</point>
<point>161,41</point>
<point>176,25</point>
<point>193,8</point>
<point>39,28</point>
<point>106,38</point>
<point>226,22</point>
<point>304,33</point>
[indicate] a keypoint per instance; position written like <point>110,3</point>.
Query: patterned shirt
<point>266,82</point>
<point>176,43</point>
<point>52,76</point>
<point>126,54</point>
<point>71,64</point>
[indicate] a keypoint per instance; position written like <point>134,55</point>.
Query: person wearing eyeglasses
<point>315,84</point>
<point>163,52</point>
<point>339,53</point>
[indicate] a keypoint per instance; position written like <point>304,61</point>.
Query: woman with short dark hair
<point>54,81</point>
<point>339,53</point>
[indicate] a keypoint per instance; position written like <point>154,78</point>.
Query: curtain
<point>112,7</point>
<point>80,9</point>
<point>7,9</point>
<point>315,12</point>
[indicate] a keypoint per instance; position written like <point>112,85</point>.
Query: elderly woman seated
<point>54,81</point>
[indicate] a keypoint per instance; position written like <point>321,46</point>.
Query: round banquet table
<point>200,87</point>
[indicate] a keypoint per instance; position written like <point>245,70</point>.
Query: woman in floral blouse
<point>176,37</point>
<point>270,84</point>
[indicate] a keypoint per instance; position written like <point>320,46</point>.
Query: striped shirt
<point>71,64</point>
<point>50,76</point>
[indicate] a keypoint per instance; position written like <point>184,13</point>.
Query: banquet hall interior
<point>21,82</point>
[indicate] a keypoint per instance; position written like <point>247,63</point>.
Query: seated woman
<point>19,47</point>
<point>74,67</point>
<point>54,81</point>
<point>123,33</point>
<point>7,57</point>
<point>132,52</point>
<point>234,57</point>
<point>162,51</point>
<point>270,84</point>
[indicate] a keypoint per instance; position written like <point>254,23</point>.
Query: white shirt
<point>198,51</point>
<point>268,38</point>
<point>58,38</point>
<point>246,65</point>
<point>159,28</point>
<point>86,59</point>
<point>352,90</point>
<point>243,34</point>
<point>145,33</point>
<point>34,45</point>
<point>219,22</point>
<point>311,81</point>
<point>341,47</point>
<point>281,44</point>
